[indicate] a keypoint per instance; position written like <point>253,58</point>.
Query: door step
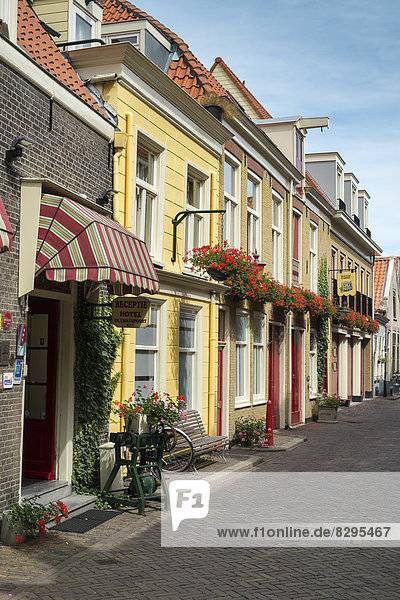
<point>51,491</point>
<point>46,491</point>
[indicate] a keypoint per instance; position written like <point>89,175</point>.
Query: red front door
<point>349,369</point>
<point>362,370</point>
<point>220,389</point>
<point>296,376</point>
<point>274,373</point>
<point>335,364</point>
<point>40,389</point>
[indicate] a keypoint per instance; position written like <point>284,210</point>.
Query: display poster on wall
<point>8,380</point>
<point>19,365</point>
<point>7,320</point>
<point>21,340</point>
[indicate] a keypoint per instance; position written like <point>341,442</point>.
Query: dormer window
<point>339,185</point>
<point>134,39</point>
<point>354,210</point>
<point>83,26</point>
<point>299,159</point>
<point>144,37</point>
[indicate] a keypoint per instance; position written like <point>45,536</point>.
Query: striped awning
<point>76,243</point>
<point>6,233</point>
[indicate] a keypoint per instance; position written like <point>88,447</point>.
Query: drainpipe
<point>128,334</point>
<point>290,251</point>
<point>120,139</point>
<point>211,320</point>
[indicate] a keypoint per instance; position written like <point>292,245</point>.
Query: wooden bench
<point>201,442</point>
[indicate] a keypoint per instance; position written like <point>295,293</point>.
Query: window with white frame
<point>147,354</point>
<point>313,257</point>
<point>258,359</point>
<point>148,207</point>
<point>187,356</point>
<point>196,194</point>
<point>232,201</point>
<point>366,215</point>
<point>83,27</point>
<point>339,183</point>
<point>253,214</point>
<point>133,38</point>
<point>242,359</point>
<point>277,250</point>
<point>354,201</point>
<point>313,385</point>
<point>296,248</point>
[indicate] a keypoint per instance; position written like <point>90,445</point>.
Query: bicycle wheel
<point>180,456</point>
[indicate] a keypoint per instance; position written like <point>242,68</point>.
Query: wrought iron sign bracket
<point>179,217</point>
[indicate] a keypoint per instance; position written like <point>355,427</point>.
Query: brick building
<point>58,162</point>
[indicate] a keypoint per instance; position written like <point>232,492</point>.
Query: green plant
<point>249,430</point>
<point>96,342</point>
<point>158,407</point>
<point>241,271</point>
<point>325,399</point>
<point>30,517</point>
<point>322,323</point>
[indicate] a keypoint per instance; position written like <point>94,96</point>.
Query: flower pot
<point>10,533</point>
<point>327,413</point>
<point>216,274</point>
<point>137,424</point>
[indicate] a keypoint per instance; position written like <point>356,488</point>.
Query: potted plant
<point>327,407</point>
<point>29,518</point>
<point>144,412</point>
<point>249,431</point>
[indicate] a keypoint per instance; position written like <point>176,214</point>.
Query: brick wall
<point>73,156</point>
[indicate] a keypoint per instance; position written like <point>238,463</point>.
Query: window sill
<point>242,403</point>
<point>259,401</point>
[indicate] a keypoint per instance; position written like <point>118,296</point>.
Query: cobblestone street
<point>123,558</point>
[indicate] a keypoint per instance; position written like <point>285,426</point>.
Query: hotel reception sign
<point>130,311</point>
<point>346,283</point>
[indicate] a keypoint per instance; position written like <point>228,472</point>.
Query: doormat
<point>86,521</point>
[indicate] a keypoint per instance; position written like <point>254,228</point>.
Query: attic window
<point>83,27</point>
<point>133,39</point>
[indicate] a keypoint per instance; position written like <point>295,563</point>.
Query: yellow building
<point>166,161</point>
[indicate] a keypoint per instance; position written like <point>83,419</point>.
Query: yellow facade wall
<point>180,150</point>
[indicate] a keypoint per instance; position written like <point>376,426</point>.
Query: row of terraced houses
<point>111,128</point>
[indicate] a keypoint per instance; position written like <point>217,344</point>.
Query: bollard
<point>270,421</point>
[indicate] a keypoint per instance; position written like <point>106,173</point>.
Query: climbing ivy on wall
<point>323,323</point>
<point>96,342</point>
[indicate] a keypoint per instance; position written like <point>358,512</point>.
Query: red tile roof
<point>37,43</point>
<point>188,72</point>
<point>310,182</point>
<point>380,272</point>
<point>254,103</point>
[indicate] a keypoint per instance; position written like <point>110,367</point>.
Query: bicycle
<point>178,453</point>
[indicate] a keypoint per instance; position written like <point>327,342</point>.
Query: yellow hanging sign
<point>346,283</point>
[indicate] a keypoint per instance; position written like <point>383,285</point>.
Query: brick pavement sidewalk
<point>122,558</point>
<point>43,556</point>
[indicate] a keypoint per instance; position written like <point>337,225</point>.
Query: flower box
<point>216,274</point>
<point>10,533</point>
<point>137,424</point>
<point>327,413</point>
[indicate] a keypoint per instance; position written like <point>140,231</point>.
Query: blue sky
<point>335,58</point>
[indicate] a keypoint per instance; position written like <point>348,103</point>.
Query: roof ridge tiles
<point>254,103</point>
<point>40,47</point>
<point>120,10</point>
